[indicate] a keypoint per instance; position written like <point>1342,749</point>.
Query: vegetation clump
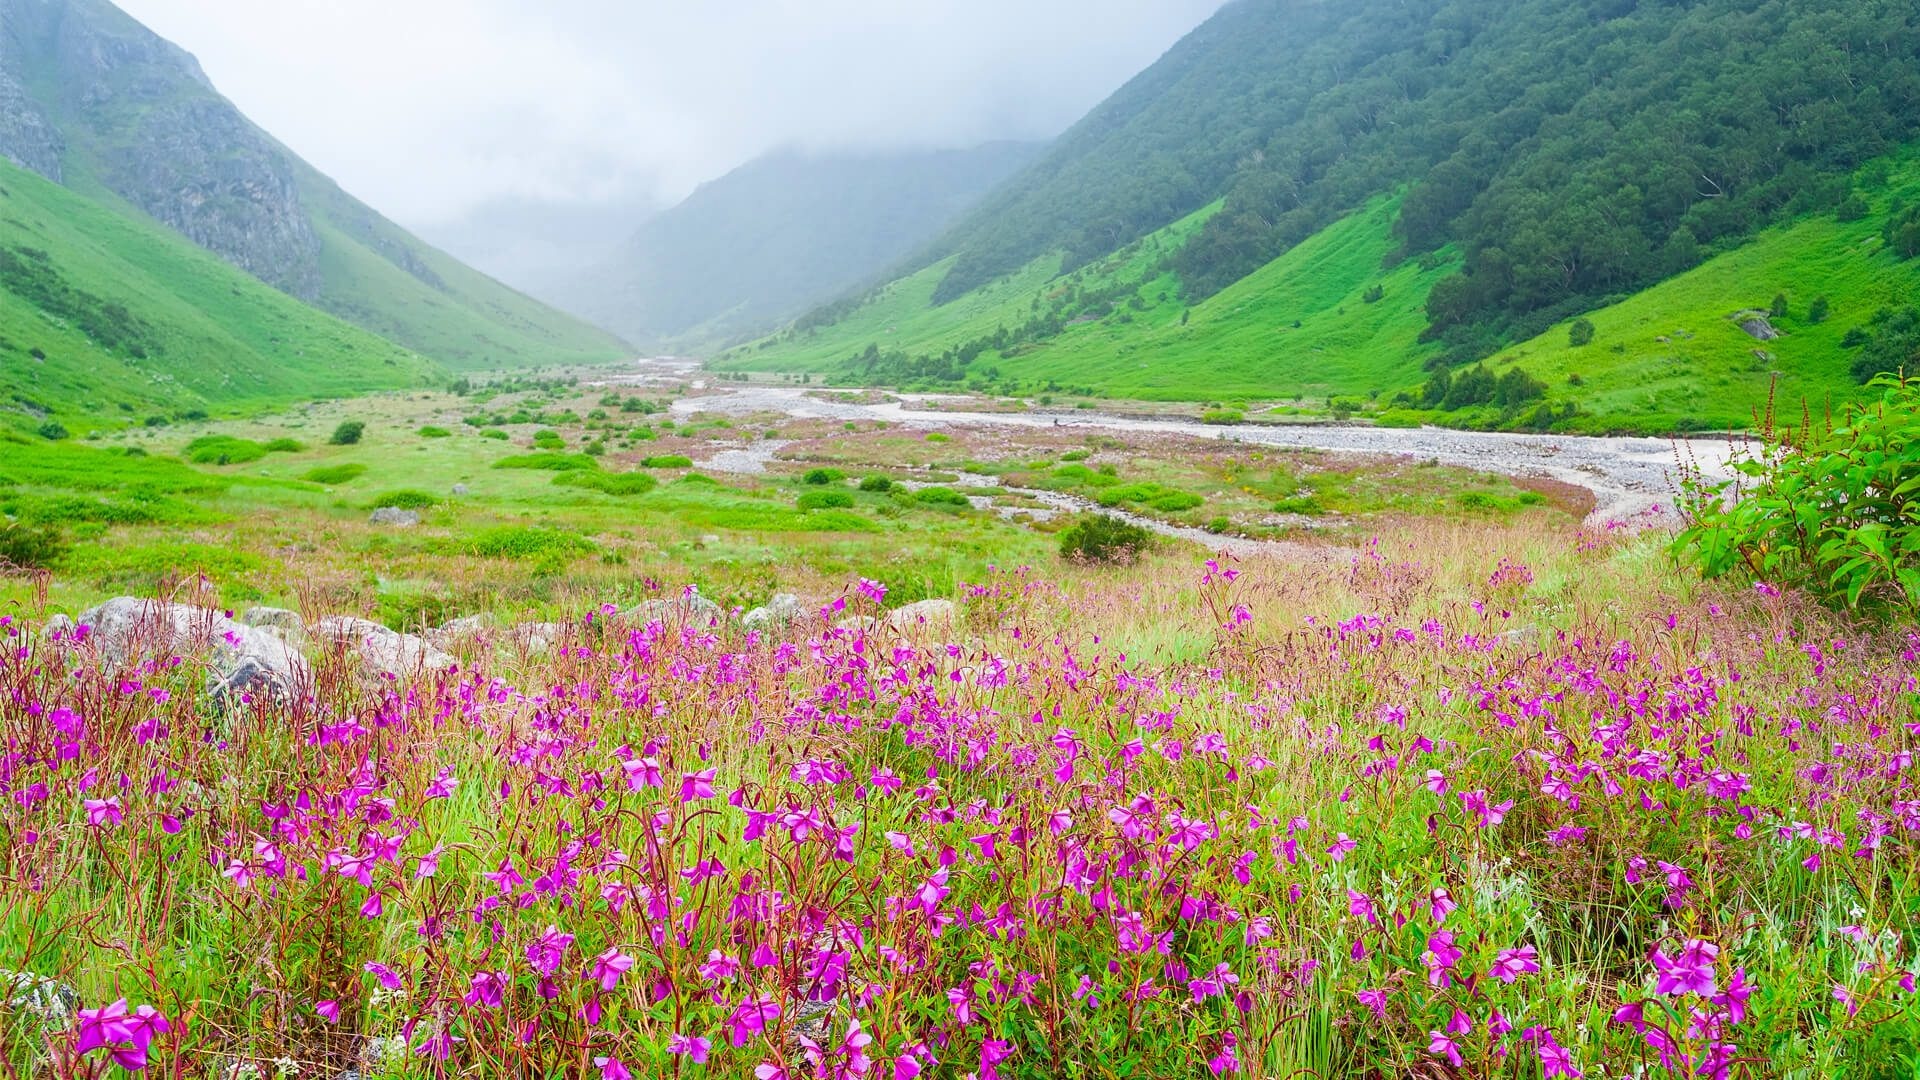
<point>224,450</point>
<point>824,500</point>
<point>549,462</point>
<point>1104,539</point>
<point>607,483</point>
<point>335,474</point>
<point>405,499</point>
<point>667,461</point>
<point>348,433</point>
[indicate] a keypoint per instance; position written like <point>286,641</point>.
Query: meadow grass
<point>1522,796</point>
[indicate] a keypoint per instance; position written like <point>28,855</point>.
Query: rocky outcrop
<point>395,517</point>
<point>386,651</point>
<point>246,661</point>
<point>26,138</point>
<point>780,613</point>
<point>686,609</point>
<point>935,615</point>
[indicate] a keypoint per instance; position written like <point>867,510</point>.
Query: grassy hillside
<point>376,275</point>
<point>107,318</point>
<point>1241,342</point>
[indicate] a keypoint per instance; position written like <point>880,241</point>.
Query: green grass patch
<point>224,450</point>
<point>405,499</point>
<point>608,483</point>
<point>549,462</point>
<point>667,461</point>
<point>526,542</point>
<point>432,432</point>
<point>335,474</point>
<point>825,500</point>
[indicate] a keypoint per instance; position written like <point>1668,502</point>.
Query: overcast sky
<point>426,108</point>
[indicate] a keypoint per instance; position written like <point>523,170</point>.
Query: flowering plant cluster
<point>1353,845</point>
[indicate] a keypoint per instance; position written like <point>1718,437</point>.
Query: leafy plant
<point>405,499</point>
<point>821,477</point>
<point>348,433</point>
<point>824,500</point>
<point>667,461</point>
<point>224,450</point>
<point>876,484</point>
<point>1102,538</point>
<point>550,462</point>
<point>335,474</point>
<point>608,483</point>
<point>1580,334</point>
<point>30,547</point>
<point>432,432</point>
<point>1835,513</point>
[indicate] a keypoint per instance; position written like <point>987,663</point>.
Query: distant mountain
<point>539,246</point>
<point>780,234</point>
<point>92,100</point>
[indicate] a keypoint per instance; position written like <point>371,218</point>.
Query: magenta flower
<point>612,1068</point>
<point>485,990</point>
<point>1442,1046</point>
<point>328,1010</point>
<point>750,1018</point>
<point>104,812</point>
<point>695,1049</point>
<point>1342,846</point>
<point>1375,1000</point>
<point>698,785</point>
<point>1691,971</point>
<point>608,967</point>
<point>1510,964</point>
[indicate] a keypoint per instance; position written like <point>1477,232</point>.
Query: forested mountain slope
<point>93,100</point>
<point>1543,158</point>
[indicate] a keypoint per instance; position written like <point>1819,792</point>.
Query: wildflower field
<point>1500,801</point>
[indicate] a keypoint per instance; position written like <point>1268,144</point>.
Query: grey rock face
<point>250,681</point>
<point>395,517</point>
<point>384,650</point>
<point>26,138</point>
<point>781,612</point>
<point>460,491</point>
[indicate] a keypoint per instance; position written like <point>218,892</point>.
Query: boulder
<point>685,609</point>
<point>127,630</point>
<point>460,631</point>
<point>394,516</point>
<point>538,637</point>
<point>858,624</point>
<point>1757,325</point>
<point>57,627</point>
<point>384,650</point>
<point>461,491</point>
<point>250,681</point>
<point>274,618</point>
<point>779,613</point>
<point>927,614</point>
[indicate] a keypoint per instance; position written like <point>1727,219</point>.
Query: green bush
<point>1580,334</point>
<point>405,499</point>
<point>940,496</point>
<point>1838,517</point>
<point>54,431</point>
<point>285,446</point>
<point>1100,538</point>
<point>432,432</point>
<point>608,483</point>
<point>495,433</point>
<point>549,440</point>
<point>1223,416</point>
<point>876,484</point>
<point>938,437</point>
<point>824,500</point>
<point>335,474</point>
<point>348,433</point>
<point>1158,496</point>
<point>1076,455</point>
<point>667,461</point>
<point>549,462</point>
<point>526,542</point>
<point>30,547</point>
<point>224,450</point>
<point>821,477</point>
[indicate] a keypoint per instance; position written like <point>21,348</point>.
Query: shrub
<point>1102,538</point>
<point>822,477</point>
<point>30,547</point>
<point>824,500</point>
<point>224,450</point>
<point>495,433</point>
<point>1076,455</point>
<point>285,446</point>
<point>938,437</point>
<point>1838,516</point>
<point>549,440</point>
<point>1580,334</point>
<point>1778,309</point>
<point>608,483</point>
<point>404,499</point>
<point>1818,311</point>
<point>549,462</point>
<point>1222,416</point>
<point>348,433</point>
<point>526,542</point>
<point>54,431</point>
<point>431,432</point>
<point>667,461</point>
<point>335,474</point>
<point>940,496</point>
<point>876,484</point>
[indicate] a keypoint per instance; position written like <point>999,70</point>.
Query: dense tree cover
<point>1573,149</point>
<point>1890,345</point>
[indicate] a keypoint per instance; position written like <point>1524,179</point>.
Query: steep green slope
<point>116,113</point>
<point>107,318</point>
<point>1302,326</point>
<point>781,234</point>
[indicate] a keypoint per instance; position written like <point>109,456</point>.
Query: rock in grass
<point>274,618</point>
<point>387,651</point>
<point>126,630</point>
<point>52,1004</point>
<point>687,609</point>
<point>395,517</point>
<point>858,624</point>
<point>781,612</point>
<point>250,681</point>
<point>460,491</point>
<point>461,631</point>
<point>927,614</point>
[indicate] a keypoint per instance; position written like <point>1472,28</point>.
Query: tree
<point>1580,334</point>
<point>348,433</point>
<point>1818,310</point>
<point>1778,309</point>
